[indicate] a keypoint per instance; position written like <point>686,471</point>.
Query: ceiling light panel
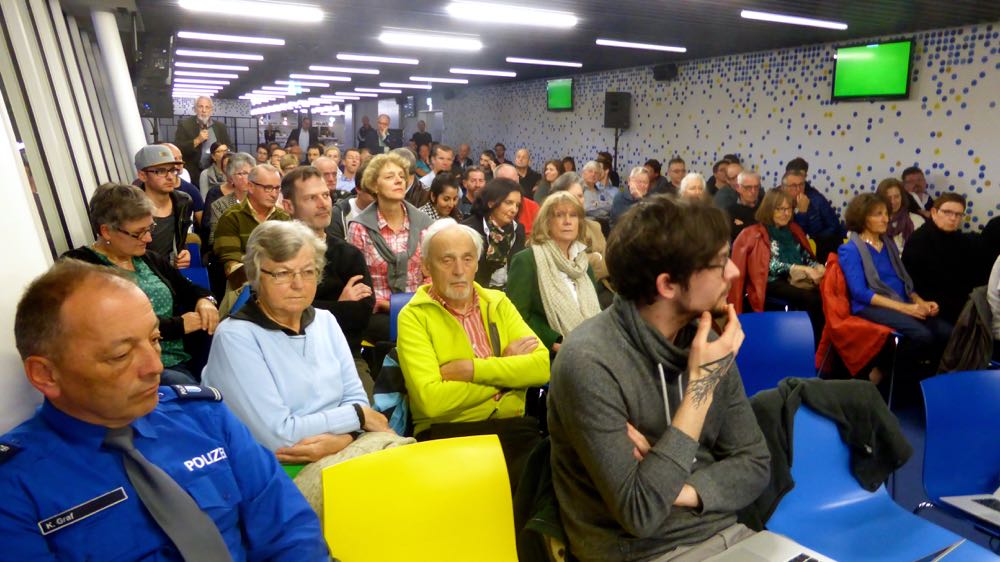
<point>379,90</point>
<point>217,55</point>
<point>441,80</point>
<point>357,94</point>
<point>794,20</point>
<point>183,80</point>
<point>230,38</point>
<point>483,72</point>
<point>375,58</point>
<point>210,66</point>
<point>320,77</point>
<point>544,62</point>
<point>285,11</point>
<point>644,46</point>
<point>205,74</point>
<point>302,83</point>
<point>343,69</point>
<point>405,85</point>
<point>430,40</point>
<point>493,13</point>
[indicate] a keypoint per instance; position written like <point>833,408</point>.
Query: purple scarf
<point>900,223</point>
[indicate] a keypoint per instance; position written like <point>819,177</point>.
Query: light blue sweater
<point>286,387</point>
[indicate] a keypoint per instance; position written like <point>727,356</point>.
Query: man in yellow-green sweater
<point>466,354</point>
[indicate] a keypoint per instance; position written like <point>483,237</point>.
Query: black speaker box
<point>617,108</point>
<point>666,71</point>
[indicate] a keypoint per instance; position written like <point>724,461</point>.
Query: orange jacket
<point>857,341</point>
<point>752,255</point>
<point>526,215</point>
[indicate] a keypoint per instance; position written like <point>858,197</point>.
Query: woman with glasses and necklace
<point>286,368</point>
<point>122,219</point>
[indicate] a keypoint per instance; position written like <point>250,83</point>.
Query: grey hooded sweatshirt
<point>615,369</point>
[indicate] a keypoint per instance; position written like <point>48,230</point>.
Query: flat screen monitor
<point>873,71</point>
<point>560,93</point>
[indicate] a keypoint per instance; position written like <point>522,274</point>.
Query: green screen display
<point>560,94</point>
<point>868,71</point>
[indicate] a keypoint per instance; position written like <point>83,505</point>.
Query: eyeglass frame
<point>148,230</point>
<point>266,188</point>
<point>288,276</point>
<point>163,172</point>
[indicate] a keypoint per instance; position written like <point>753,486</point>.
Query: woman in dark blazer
<point>493,216</point>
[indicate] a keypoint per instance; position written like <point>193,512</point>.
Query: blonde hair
<point>540,233</point>
<point>332,148</point>
<point>374,168</point>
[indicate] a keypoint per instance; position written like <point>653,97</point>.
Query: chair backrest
<point>777,345</point>
<point>241,300</point>
<point>444,500</point>
<point>962,444</point>
<point>195,249</point>
<point>396,303</point>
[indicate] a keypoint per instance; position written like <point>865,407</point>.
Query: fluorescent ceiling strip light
<point>354,97</point>
<point>405,85</point>
<point>230,38</point>
<point>298,13</point>
<point>330,97</point>
<point>199,92</point>
<point>543,62</point>
<point>320,77</point>
<point>480,72</point>
<point>217,55</point>
<point>794,20</point>
<point>186,95</point>
<point>301,83</point>
<point>430,40</point>
<point>375,58</point>
<point>276,88</point>
<point>442,80</point>
<point>183,80</point>
<point>646,46</point>
<point>489,12</point>
<point>269,93</point>
<point>205,74</point>
<point>357,94</point>
<point>379,90</point>
<point>209,66</point>
<point>344,69</point>
<point>199,87</point>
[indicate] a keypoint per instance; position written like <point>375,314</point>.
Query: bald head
<point>451,259</point>
<point>506,171</point>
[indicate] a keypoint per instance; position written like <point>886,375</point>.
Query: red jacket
<point>526,215</point>
<point>752,255</point>
<point>857,341</point>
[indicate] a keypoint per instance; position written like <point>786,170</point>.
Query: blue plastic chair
<point>396,303</point>
<point>962,444</point>
<point>830,512</point>
<point>777,345</point>
<point>196,273</point>
<point>241,300</point>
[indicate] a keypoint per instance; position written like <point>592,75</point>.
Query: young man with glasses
<point>236,224</point>
<point>654,445</point>
<point>158,169</point>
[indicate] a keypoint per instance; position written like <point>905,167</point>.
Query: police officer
<point>115,467</point>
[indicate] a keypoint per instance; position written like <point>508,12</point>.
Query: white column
<point>116,70</point>
<point>27,256</point>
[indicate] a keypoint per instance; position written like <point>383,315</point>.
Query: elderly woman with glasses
<point>214,175</point>
<point>286,368</point>
<point>233,192</point>
<point>122,219</point>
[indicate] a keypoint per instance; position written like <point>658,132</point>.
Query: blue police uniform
<point>63,496</point>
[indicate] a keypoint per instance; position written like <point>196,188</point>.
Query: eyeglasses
<point>952,214</point>
<point>162,172</point>
<point>782,209</point>
<point>138,235</point>
<point>241,174</point>
<point>267,188</point>
<point>285,276</point>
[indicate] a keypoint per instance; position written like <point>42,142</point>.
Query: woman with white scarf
<point>551,283</point>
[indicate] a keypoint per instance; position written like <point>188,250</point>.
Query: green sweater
<point>523,291</point>
<point>234,228</point>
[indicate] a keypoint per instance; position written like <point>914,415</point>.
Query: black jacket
<point>486,271</point>
<point>187,129</point>
<point>868,428</point>
<point>185,294</point>
<point>344,261</point>
<point>944,266</point>
<point>294,136</point>
<point>971,343</point>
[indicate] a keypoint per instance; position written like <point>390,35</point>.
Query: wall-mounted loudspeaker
<point>666,71</point>
<point>617,108</point>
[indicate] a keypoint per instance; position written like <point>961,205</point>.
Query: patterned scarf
<point>901,223</point>
<point>499,242</point>
<point>562,310</point>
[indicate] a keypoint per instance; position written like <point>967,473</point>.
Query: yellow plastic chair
<point>436,501</point>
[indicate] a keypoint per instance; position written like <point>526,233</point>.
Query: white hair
<point>593,164</point>
<point>690,179</point>
<point>440,225</point>
<point>747,174</point>
<point>280,241</point>
<point>637,171</point>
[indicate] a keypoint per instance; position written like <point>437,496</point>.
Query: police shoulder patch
<point>7,452</point>
<point>193,392</point>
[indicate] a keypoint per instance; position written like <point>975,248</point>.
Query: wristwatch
<point>212,300</point>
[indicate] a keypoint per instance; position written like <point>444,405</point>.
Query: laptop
<point>766,546</point>
<point>983,506</point>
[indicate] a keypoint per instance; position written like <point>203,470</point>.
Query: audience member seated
<point>366,154</point>
<point>568,164</point>
<point>727,194</point>
<point>551,171</point>
<point>774,259</point>
<point>693,188</point>
<point>528,209</point>
<point>719,178</point>
<point>442,157</point>
<point>942,260</point>
<point>388,233</point>
<point>232,193</point>
<point>157,170</point>
<point>328,168</point>
<point>919,201</point>
<point>416,194</point>
<point>902,223</point>
<point>168,472</point>
<point>333,153</point>
<point>638,187</point>
<point>262,154</point>
<point>500,150</point>
<point>599,198</point>
<point>236,224</point>
<point>184,184</point>
<point>657,183</point>
<point>813,211</point>
<point>526,177</point>
<point>493,217</point>
<point>214,175</point>
<point>654,444</point>
<point>276,155</point>
<point>313,152</point>
<point>743,212</point>
<point>488,162</point>
<point>347,181</point>
<point>462,159</point>
<point>551,282</point>
<point>609,176</point>
<point>346,208</point>
<point>423,160</point>
<point>880,287</point>
<point>345,284</point>
<point>466,354</point>
<point>285,368</point>
<point>443,198</point>
<point>122,218</point>
<point>473,181</point>
<point>593,238</point>
<point>676,170</point>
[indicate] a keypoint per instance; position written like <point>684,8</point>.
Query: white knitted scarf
<point>562,310</point>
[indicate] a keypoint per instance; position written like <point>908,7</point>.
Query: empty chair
<point>830,512</point>
<point>396,303</point>
<point>196,273</point>
<point>777,345</point>
<point>436,501</point>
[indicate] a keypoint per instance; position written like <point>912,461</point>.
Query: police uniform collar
<point>79,431</point>
<point>251,312</point>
